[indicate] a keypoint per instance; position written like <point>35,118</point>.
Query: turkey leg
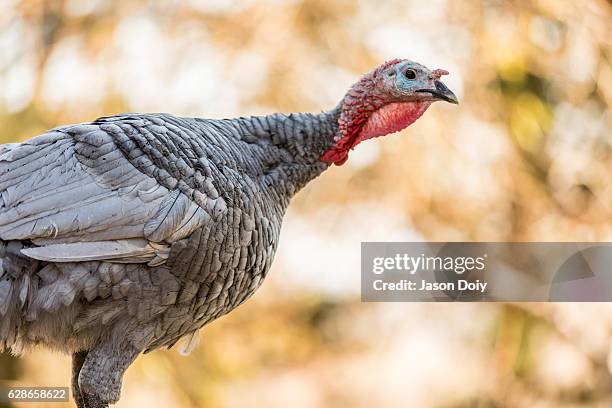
<point>77,362</point>
<point>101,375</point>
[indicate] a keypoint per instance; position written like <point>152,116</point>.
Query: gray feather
<point>6,289</point>
<point>23,292</point>
<point>89,251</point>
<point>130,232</point>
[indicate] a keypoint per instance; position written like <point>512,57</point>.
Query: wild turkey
<point>127,233</point>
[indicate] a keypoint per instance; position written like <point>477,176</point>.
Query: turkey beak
<point>441,92</point>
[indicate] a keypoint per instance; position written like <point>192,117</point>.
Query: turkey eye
<point>410,74</point>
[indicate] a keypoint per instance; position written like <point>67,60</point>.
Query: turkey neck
<point>293,144</point>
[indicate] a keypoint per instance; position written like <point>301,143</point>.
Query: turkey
<point>125,234</point>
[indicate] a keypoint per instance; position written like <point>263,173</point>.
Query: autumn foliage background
<point>527,156</point>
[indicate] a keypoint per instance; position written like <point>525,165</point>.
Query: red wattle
<point>391,118</point>
<point>388,119</point>
<point>337,157</point>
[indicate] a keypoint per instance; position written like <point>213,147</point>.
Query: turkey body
<point>124,234</point>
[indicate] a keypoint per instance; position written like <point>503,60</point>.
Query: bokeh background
<point>527,156</point>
